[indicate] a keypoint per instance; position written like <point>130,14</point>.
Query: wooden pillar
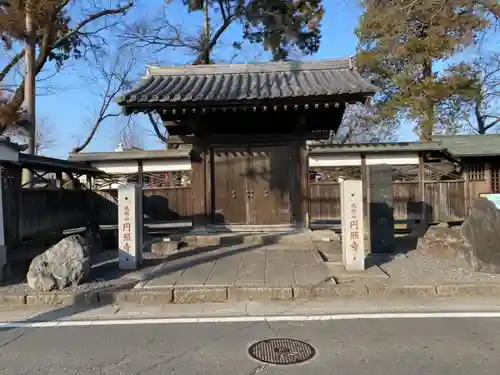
<point>199,192</point>
<point>467,189</point>
<point>421,188</point>
<point>140,179</point>
<point>59,180</point>
<point>488,178</point>
<point>303,218</point>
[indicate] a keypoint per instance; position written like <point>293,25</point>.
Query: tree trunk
<point>427,125</point>
<point>481,126</point>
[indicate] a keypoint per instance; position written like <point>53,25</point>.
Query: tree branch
<point>156,128</point>
<point>11,64</point>
<point>46,46</point>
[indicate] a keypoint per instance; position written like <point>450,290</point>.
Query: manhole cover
<point>282,351</point>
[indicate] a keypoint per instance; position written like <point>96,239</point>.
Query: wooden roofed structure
<point>248,125</point>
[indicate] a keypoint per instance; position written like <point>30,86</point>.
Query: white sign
<point>353,245</point>
<point>130,226</point>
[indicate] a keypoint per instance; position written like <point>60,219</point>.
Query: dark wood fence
<point>33,213</point>
<point>163,204</point>
<point>444,200</point>
<point>52,210</point>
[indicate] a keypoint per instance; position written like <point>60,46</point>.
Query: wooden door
<point>230,203</point>
<point>253,185</point>
<point>270,181</point>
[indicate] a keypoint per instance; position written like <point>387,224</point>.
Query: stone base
<point>165,247</point>
<point>342,276</point>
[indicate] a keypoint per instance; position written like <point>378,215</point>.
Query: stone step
<point>246,238</point>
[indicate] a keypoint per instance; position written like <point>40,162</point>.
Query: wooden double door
<point>253,185</point>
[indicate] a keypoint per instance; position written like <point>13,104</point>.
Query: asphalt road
<point>441,346</point>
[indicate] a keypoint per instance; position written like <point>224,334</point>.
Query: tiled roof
<point>470,145</point>
<point>240,82</point>
<point>377,147</point>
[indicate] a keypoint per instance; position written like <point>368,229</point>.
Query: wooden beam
<point>199,188</point>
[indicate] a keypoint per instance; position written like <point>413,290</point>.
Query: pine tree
<point>400,42</point>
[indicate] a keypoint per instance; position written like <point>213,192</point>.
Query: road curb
<point>186,295</point>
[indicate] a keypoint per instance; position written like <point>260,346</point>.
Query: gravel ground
<point>415,267</point>
<point>104,274</point>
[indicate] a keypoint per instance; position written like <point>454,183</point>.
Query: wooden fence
<point>33,213</point>
<point>162,204</point>
<point>444,200</point>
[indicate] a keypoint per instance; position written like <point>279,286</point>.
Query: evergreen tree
<point>400,42</point>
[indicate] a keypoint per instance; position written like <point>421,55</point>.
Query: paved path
<point>241,266</point>
<point>382,347</point>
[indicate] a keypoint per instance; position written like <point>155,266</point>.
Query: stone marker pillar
<point>381,209</point>
<point>130,226</point>
<point>353,244</point>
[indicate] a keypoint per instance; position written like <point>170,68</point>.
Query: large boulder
<point>443,241</point>
<point>481,229</point>
<point>67,263</point>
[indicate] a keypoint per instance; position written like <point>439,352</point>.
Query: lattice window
<point>334,174</point>
<point>495,179</point>
<point>113,181</point>
<point>442,172</point>
<point>167,179</point>
<point>150,180</point>
<point>475,172</point>
<point>405,173</point>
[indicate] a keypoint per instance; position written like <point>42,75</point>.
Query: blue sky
<point>68,107</point>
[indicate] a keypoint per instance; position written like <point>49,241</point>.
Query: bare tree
<point>112,75</point>
<point>485,103</point>
<point>361,125</point>
<point>59,37</point>
<point>45,137</point>
<point>131,136</point>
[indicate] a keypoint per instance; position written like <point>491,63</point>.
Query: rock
<point>443,241</point>
<point>165,247</point>
<point>481,229</point>
<point>67,263</point>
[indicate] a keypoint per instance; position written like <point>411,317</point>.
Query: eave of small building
<point>47,164</point>
<point>129,155</point>
<point>389,147</point>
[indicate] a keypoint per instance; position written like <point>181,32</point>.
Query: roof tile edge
<point>287,66</point>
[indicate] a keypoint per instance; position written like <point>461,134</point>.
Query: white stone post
<point>353,244</point>
<point>130,226</point>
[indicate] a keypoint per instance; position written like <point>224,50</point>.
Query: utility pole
<point>29,85</point>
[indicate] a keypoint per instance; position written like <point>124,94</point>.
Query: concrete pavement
<point>357,308</point>
<point>355,347</point>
